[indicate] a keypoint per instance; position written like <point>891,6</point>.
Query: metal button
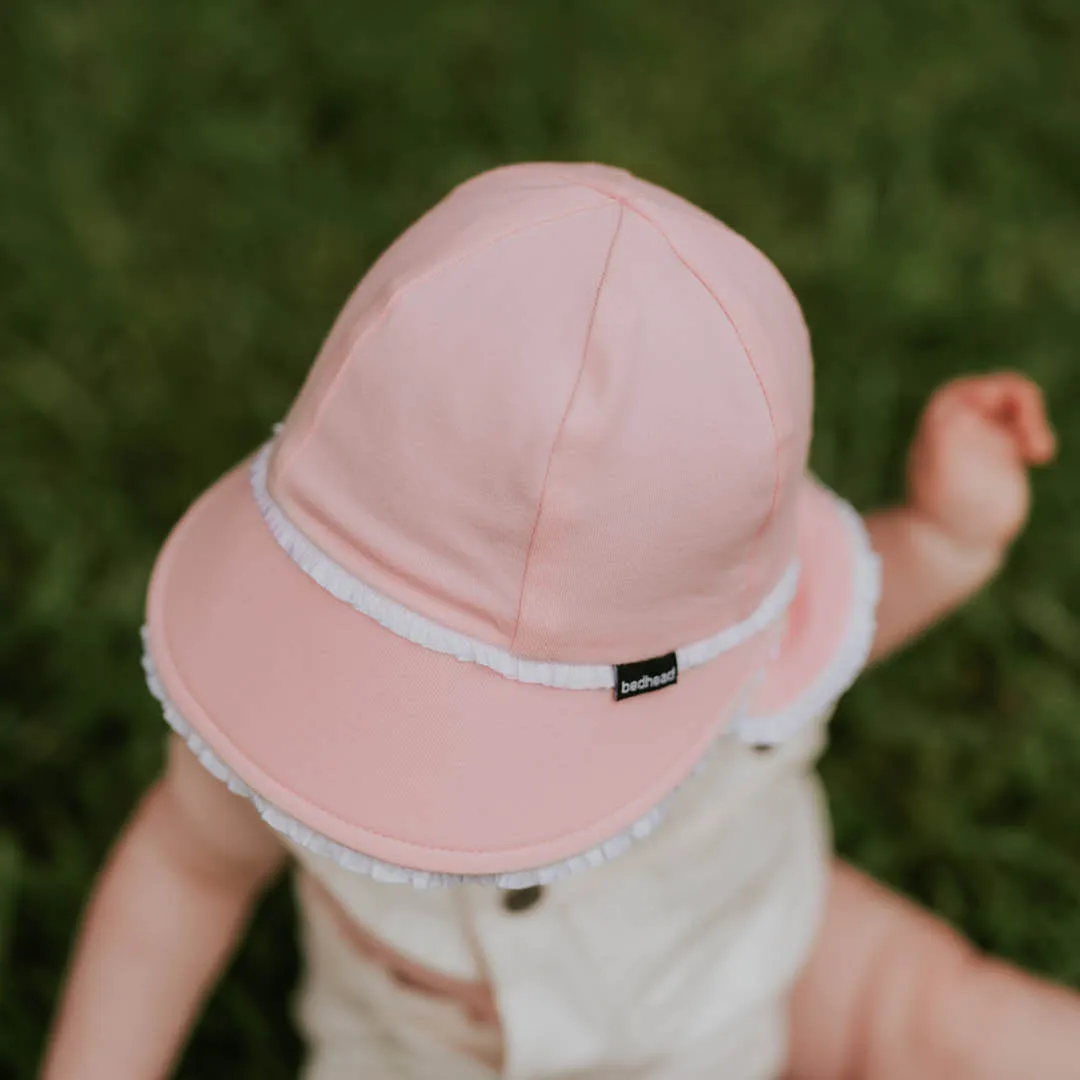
<point>522,899</point>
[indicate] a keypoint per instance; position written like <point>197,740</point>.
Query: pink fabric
<point>567,413</point>
<point>575,432</point>
<point>405,754</point>
<point>818,617</point>
<point>408,755</point>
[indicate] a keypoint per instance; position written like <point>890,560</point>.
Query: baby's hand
<point>967,472</point>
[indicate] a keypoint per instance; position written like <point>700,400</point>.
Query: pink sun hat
<point>535,533</point>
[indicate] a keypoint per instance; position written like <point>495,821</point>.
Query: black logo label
<point>645,676</point>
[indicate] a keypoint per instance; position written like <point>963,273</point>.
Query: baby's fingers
<point>1030,425</point>
<point>1015,404</point>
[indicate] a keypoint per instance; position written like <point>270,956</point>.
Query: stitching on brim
<point>350,859</point>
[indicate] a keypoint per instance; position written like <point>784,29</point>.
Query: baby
<point>522,635</point>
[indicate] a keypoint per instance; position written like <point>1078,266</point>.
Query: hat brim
<point>830,625</point>
<point>418,760</point>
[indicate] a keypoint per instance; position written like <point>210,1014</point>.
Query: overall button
<point>522,899</point>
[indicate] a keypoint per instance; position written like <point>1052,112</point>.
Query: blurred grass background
<point>187,194</point>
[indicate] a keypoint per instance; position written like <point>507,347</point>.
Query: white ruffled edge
<point>348,859</point>
<point>850,658</point>
<point>399,620</point>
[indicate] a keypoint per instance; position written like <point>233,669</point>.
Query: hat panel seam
<point>775,495</point>
<point>562,425</point>
<point>355,339</point>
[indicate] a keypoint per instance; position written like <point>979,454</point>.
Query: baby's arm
<point>890,991</point>
<point>967,500</point>
<point>166,911</point>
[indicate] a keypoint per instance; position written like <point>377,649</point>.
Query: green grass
<point>188,192</point>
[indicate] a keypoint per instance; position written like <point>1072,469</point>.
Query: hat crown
<point>566,413</point>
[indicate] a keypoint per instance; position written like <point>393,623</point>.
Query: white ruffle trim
<point>850,657</point>
<point>348,859</point>
<point>848,661</point>
<point>407,624</point>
